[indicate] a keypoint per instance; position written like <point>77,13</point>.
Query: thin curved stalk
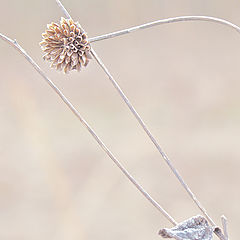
<point>152,138</point>
<point>88,127</point>
<point>134,112</point>
<point>144,126</point>
<point>164,21</point>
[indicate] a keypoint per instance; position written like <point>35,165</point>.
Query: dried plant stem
<point>224,224</point>
<point>87,126</point>
<point>153,139</point>
<point>163,154</point>
<point>64,10</point>
<point>141,122</point>
<point>132,109</point>
<point>164,21</point>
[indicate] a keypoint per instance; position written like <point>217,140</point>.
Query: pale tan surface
<point>183,78</point>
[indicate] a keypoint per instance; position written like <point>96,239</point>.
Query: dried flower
<point>66,45</point>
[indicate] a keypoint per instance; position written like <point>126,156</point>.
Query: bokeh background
<point>183,78</point>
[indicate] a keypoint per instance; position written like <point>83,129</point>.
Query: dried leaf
<point>195,228</point>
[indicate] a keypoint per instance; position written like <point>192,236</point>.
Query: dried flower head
<point>66,45</point>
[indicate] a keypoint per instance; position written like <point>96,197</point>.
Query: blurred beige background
<point>183,78</point>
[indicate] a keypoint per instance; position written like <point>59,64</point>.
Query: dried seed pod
<point>194,228</point>
<point>66,45</point>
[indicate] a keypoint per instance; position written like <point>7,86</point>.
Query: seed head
<point>65,45</point>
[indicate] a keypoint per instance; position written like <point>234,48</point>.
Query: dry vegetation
<point>61,186</point>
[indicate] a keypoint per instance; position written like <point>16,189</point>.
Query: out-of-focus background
<point>183,78</point>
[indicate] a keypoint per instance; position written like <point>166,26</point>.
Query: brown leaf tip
<point>66,45</point>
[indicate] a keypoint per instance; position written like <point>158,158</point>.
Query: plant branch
<point>63,9</point>
<point>145,128</point>
<point>224,224</point>
<point>87,126</point>
<point>153,139</point>
<point>164,21</point>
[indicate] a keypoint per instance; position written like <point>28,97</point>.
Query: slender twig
<point>224,224</point>
<point>164,21</point>
<point>174,170</point>
<point>145,128</point>
<point>153,139</point>
<point>87,126</point>
<point>63,9</point>
<point>137,116</point>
